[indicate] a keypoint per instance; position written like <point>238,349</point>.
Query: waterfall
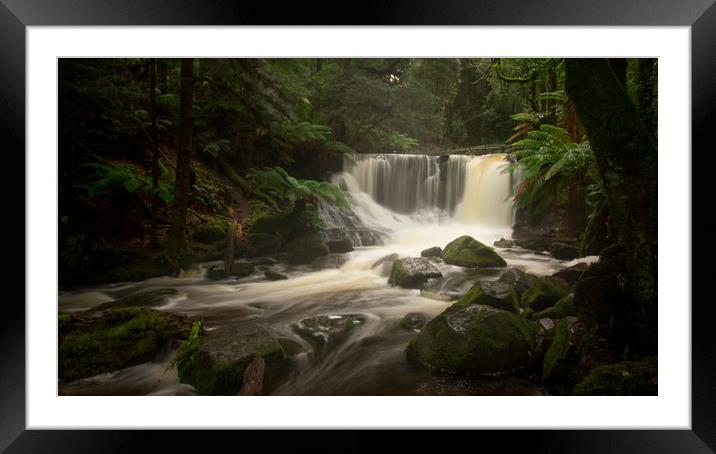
<point>487,197</point>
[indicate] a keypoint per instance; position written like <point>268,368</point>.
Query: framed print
<point>454,218</point>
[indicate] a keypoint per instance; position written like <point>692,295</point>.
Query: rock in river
<point>325,331</point>
<point>468,252</point>
<point>518,279</point>
<point>413,320</point>
<point>218,363</point>
<point>544,293</point>
<point>435,251</point>
<point>492,293</point>
<point>412,272</point>
<point>96,342</point>
<point>475,339</point>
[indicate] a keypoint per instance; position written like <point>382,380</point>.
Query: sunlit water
<point>371,360</point>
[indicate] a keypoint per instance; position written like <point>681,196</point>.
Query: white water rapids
<point>415,202</point>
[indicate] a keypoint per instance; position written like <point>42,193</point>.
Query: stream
<point>400,197</point>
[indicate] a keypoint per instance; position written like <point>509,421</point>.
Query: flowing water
<point>406,202</point>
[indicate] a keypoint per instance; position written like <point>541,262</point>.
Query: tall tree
<point>183,166</point>
<point>155,148</point>
<point>627,160</point>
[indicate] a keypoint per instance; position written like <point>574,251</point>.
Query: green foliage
<point>186,357</point>
<point>278,184</point>
<point>109,179</point>
<point>547,158</point>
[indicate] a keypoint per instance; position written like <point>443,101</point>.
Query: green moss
<point>210,232</point>
<point>63,319</point>
<point>468,252</point>
<point>562,308</point>
<point>215,364</point>
<point>628,378</point>
<point>495,294</point>
<point>306,249</point>
<point>475,340</point>
<point>120,338</point>
<point>544,292</point>
<point>238,269</point>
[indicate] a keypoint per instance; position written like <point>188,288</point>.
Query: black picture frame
<point>16,15</point>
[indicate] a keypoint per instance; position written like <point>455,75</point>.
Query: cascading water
<point>487,197</point>
<point>401,204</point>
<point>457,188</point>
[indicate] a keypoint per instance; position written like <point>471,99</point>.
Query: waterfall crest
<point>387,190</point>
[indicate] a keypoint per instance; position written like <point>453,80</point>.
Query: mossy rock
<point>562,308</point>
<point>503,243</point>
<point>306,249</point>
<point>544,293</point>
<point>260,244</point>
<point>238,269</point>
<point>468,252</point>
<point>274,276</point>
<point>413,321</point>
<point>412,272</point>
<point>98,342</point>
<point>518,279</point>
<point>434,251</point>
<point>563,251</point>
<point>475,340</point>
<point>149,298</point>
<point>341,245</point>
<point>210,232</point>
<point>628,378</point>
<point>492,293</point>
<point>326,331</point>
<point>217,365</point>
<point>561,359</point>
<point>572,274</point>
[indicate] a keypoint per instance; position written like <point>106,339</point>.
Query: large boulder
<point>412,272</point>
<point>326,331</point>
<point>274,276</point>
<point>492,293</point>
<point>475,339</point>
<point>562,308</point>
<point>97,342</point>
<point>413,321</point>
<point>238,269</point>
<point>563,251</point>
<point>559,366</point>
<point>339,245</point>
<point>306,249</point>
<point>210,232</point>
<point>572,274</point>
<point>216,364</point>
<point>628,378</point>
<point>535,244</point>
<point>544,293</point>
<point>468,252</point>
<point>518,279</point>
<point>435,251</point>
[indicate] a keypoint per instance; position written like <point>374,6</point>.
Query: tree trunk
<point>627,160</point>
<point>155,149</point>
<point>183,167</point>
<point>619,66</point>
<point>646,93</point>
